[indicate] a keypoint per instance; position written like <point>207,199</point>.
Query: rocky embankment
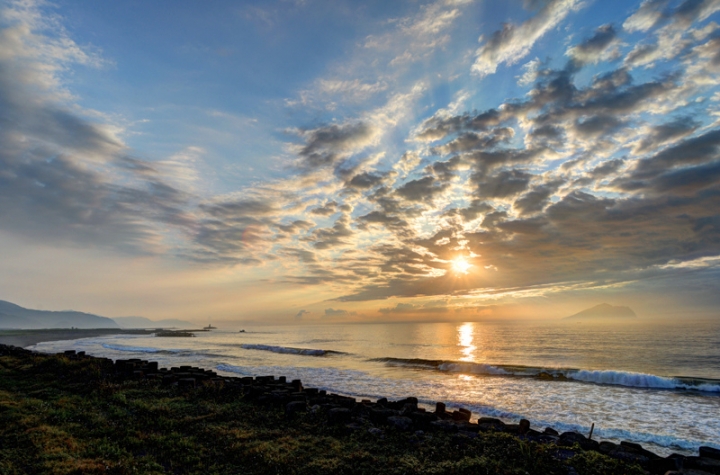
<point>383,416</point>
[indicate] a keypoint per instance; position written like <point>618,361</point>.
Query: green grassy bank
<point>68,415</point>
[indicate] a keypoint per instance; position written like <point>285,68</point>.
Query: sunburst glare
<point>460,265</point>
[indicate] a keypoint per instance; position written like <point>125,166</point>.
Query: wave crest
<point>602,377</point>
<point>289,350</point>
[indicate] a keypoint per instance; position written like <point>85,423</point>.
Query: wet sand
<point>25,338</point>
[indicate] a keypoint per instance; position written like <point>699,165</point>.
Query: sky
<point>322,161</point>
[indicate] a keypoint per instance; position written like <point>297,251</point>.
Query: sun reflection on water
<point>465,340</point>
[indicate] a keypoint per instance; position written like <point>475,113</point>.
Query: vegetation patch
<point>78,415</point>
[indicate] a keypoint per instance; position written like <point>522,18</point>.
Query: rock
<point>523,427</point>
<point>664,465</point>
<point>439,408</point>
<point>444,426</point>
<point>606,447</point>
<point>461,414</point>
<point>186,383</point>
<point>546,439</point>
<point>703,463</point>
<point>511,428</point>
<point>572,437</point>
<point>379,415</point>
<point>379,433</point>
<point>638,449</point>
<point>354,427</point>
<point>563,454</point>
<point>400,422</point>
<point>338,415</point>
<point>626,455</point>
<point>550,431</point>
<point>490,420</point>
<point>710,452</point>
<point>295,407</point>
<point>422,419</point>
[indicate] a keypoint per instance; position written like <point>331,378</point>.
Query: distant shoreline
<point>25,338</point>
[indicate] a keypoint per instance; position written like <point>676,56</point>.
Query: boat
<point>209,327</point>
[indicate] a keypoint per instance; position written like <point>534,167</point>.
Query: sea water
<point>655,383</point>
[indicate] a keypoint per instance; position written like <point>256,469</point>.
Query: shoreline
<point>343,417</point>
<point>660,444</point>
<point>25,338</point>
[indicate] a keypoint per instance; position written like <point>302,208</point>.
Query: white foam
<point>474,368</point>
<point>136,349</point>
<point>637,380</point>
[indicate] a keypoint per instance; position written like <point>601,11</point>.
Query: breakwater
<point>380,417</point>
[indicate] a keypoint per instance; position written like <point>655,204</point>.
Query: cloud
<point>599,175</point>
<point>596,47</point>
<point>325,146</point>
<point>301,314</point>
<point>647,16</point>
<point>407,309</point>
<point>514,42</point>
<point>423,190</point>
<point>64,177</point>
<point>331,312</point>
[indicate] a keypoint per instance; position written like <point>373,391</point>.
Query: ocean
<point>654,383</point>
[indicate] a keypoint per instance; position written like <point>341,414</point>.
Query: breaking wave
<point>611,378</point>
<point>291,351</point>
<point>158,351</point>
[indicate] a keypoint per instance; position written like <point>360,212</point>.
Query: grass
<point>64,416</point>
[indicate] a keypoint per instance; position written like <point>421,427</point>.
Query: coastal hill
<point>603,311</point>
<point>15,316</point>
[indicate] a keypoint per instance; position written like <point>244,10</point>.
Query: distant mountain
<point>142,322</point>
<point>15,316</point>
<point>603,311</point>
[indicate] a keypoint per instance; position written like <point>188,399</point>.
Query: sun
<point>460,265</point>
